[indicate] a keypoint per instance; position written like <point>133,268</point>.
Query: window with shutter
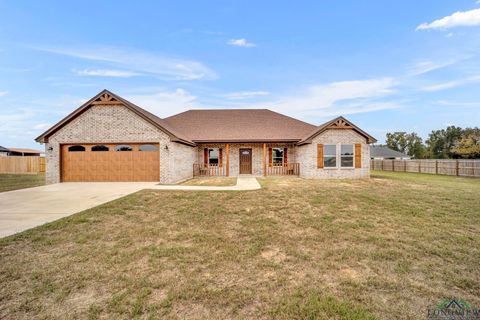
<point>330,156</point>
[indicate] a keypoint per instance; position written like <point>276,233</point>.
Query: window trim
<point>353,156</point>
<point>99,145</point>
<point>123,145</point>
<point>155,147</point>
<point>276,164</point>
<point>76,146</point>
<point>330,155</point>
<point>218,156</point>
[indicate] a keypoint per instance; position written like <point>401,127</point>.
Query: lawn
<point>211,181</point>
<point>385,248</point>
<point>9,182</point>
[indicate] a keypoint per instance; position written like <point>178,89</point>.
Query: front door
<point>245,161</point>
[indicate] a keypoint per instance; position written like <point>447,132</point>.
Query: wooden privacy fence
<point>22,164</point>
<point>450,167</point>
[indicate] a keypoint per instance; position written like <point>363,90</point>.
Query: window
<point>213,156</point>
<point>99,148</point>
<point>123,147</point>
<point>147,147</point>
<point>346,156</point>
<point>330,156</point>
<point>277,156</point>
<point>76,148</point>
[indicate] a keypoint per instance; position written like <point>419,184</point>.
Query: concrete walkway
<point>27,208</point>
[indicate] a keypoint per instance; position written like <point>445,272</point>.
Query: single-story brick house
<point>110,139</point>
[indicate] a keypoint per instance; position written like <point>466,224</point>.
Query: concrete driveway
<point>27,208</point>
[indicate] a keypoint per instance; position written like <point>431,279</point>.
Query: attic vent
<point>340,123</point>
<point>106,99</point>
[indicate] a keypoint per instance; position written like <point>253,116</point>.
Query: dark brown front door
<point>245,161</point>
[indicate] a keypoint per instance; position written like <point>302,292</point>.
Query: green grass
<point>9,182</point>
<point>382,248</point>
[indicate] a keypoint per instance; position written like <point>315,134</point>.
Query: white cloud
<point>345,97</point>
<point>138,61</point>
<point>245,94</point>
<point>241,43</point>
<point>450,84</point>
<point>3,93</point>
<point>423,67</point>
<point>106,73</point>
<point>165,103</point>
<point>457,103</point>
<point>458,19</point>
<point>42,126</point>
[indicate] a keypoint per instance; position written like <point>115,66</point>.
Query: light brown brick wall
<point>118,124</point>
<point>307,156</point>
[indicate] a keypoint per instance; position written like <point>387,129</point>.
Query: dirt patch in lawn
<point>211,181</point>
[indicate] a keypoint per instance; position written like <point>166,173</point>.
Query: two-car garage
<point>110,162</point>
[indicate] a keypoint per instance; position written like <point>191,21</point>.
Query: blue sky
<point>385,65</point>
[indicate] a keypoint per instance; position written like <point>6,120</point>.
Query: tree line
<point>451,143</point>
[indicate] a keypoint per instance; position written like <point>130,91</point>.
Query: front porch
<point>233,159</point>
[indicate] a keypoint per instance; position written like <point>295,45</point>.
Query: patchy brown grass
<point>386,248</point>
<point>211,181</point>
<point>9,182</point>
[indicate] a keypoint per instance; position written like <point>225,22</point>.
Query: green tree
<point>397,141</point>
<point>468,146</point>
<point>415,146</point>
<point>441,142</point>
<point>408,143</point>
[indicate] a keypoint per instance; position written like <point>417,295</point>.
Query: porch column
<point>264,159</point>
<point>228,159</point>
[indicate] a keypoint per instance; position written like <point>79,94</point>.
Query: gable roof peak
<point>339,122</point>
<point>106,97</point>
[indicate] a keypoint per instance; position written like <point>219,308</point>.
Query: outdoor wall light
<point>166,147</point>
<point>50,148</point>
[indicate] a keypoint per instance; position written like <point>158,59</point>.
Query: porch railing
<point>291,169</point>
<point>200,170</point>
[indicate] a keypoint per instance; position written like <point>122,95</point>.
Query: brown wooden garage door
<point>110,162</point>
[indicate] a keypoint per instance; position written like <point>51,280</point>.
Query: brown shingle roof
<point>217,125</point>
<point>224,125</point>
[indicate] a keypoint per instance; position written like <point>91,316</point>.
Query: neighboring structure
<point>384,152</point>
<point>111,139</point>
<point>22,152</point>
<point>3,151</point>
